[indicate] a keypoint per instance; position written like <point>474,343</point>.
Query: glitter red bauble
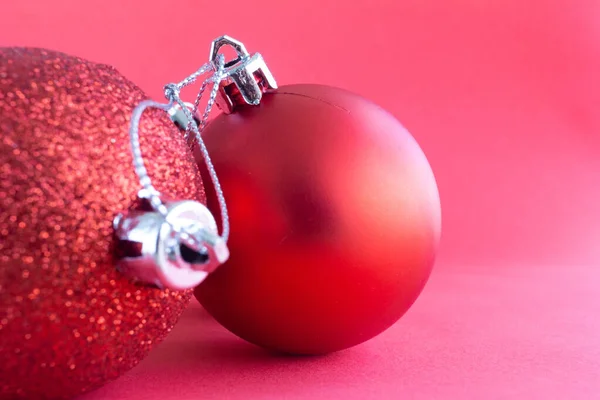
<point>335,219</point>
<point>69,321</point>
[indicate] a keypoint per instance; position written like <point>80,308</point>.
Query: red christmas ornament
<point>335,214</point>
<point>69,321</point>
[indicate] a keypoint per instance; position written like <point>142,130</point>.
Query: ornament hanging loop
<point>246,77</point>
<point>176,244</point>
<point>172,244</point>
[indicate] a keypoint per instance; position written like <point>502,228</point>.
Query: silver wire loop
<point>172,93</point>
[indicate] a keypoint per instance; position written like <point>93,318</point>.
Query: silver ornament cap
<point>245,78</point>
<point>176,251</point>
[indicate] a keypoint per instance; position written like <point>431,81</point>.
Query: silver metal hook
<point>225,40</point>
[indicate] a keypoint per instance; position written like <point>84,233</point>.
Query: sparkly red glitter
<point>69,321</point>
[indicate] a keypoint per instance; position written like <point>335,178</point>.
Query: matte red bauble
<point>69,321</point>
<point>335,220</point>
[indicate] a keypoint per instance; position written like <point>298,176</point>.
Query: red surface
<point>79,322</point>
<point>503,96</point>
<point>347,215</point>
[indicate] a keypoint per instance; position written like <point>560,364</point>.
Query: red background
<point>503,96</point>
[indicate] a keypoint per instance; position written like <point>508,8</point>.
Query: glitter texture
<point>69,321</point>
